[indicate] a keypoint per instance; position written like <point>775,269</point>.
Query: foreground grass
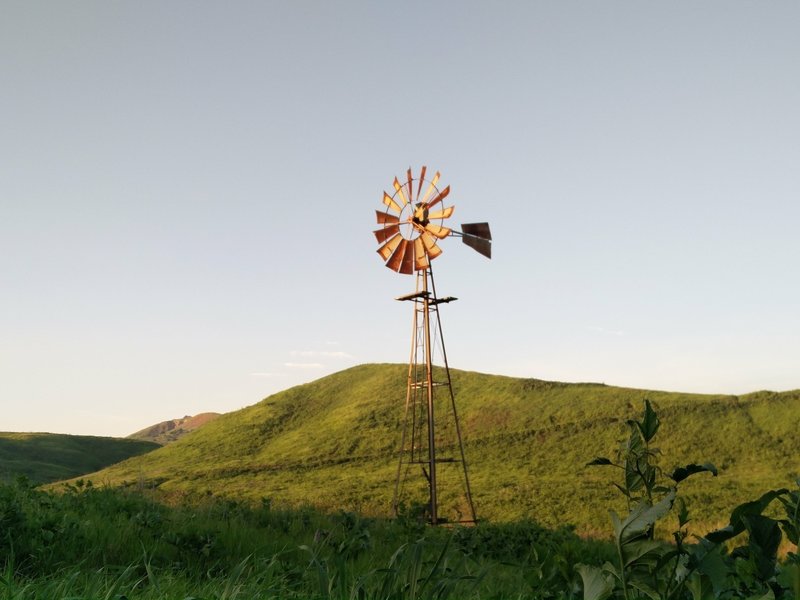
<point>89,543</point>
<point>109,544</point>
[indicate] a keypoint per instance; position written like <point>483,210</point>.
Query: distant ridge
<point>174,429</point>
<point>48,457</point>
<point>332,443</point>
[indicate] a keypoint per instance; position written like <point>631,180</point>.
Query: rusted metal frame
<point>417,405</point>
<point>434,507</point>
<point>409,392</point>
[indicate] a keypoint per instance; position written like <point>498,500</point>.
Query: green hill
<point>46,457</point>
<point>332,444</point>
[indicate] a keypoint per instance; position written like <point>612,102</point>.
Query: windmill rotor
<point>413,221</point>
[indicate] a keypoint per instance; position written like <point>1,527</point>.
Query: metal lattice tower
<point>423,443</point>
<point>431,437</point>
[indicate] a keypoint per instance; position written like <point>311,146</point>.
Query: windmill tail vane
<point>477,236</point>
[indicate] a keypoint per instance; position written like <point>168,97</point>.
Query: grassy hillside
<point>331,443</point>
<point>174,429</point>
<point>45,457</point>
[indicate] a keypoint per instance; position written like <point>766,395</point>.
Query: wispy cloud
<point>320,354</point>
<point>306,360</point>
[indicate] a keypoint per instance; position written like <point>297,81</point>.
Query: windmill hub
<point>420,215</point>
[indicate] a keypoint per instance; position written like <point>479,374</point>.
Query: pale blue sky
<point>187,194</point>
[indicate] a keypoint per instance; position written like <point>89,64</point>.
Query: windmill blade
<point>384,234</point>
<point>407,265</point>
<point>441,196</point>
<point>437,230</point>
<point>480,230</point>
<point>442,214</point>
<point>431,187</point>
<point>420,255</point>
<point>399,189</point>
<point>389,247</point>
<point>431,249</point>
<point>396,261</point>
<point>410,186</point>
<point>389,201</point>
<point>421,179</point>
<point>385,218</point>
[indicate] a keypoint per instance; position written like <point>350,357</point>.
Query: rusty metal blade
<point>421,179</point>
<point>399,189</point>
<point>420,255</point>
<point>385,218</point>
<point>431,249</point>
<point>437,230</point>
<point>441,196</point>
<point>396,260</point>
<point>389,201</point>
<point>407,266</point>
<point>384,234</point>
<point>480,230</point>
<point>431,187</point>
<point>410,186</point>
<point>442,214</point>
<point>481,245</point>
<point>389,247</point>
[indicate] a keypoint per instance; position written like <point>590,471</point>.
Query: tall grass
<point>108,544</point>
<point>88,542</point>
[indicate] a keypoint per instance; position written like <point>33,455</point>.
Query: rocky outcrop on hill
<point>169,431</point>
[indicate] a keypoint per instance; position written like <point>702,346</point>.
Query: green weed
<point>645,567</point>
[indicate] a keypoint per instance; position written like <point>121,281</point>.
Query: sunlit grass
<point>331,443</point>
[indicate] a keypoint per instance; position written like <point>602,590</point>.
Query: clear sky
<point>188,191</point>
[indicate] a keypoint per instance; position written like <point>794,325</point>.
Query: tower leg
<point>426,307</point>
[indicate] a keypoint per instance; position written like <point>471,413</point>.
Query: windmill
<point>412,224</point>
